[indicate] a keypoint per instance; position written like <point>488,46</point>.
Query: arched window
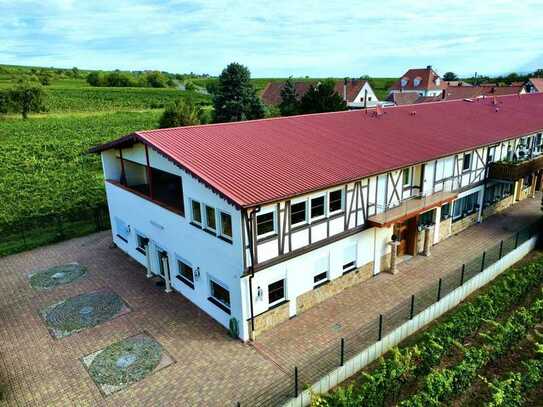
<point>417,81</point>
<point>404,82</point>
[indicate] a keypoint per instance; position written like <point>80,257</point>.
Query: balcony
<point>411,207</point>
<point>514,169</point>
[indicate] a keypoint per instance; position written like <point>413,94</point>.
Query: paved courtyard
<point>208,368</point>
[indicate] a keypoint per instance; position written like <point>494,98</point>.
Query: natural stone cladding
<point>270,318</point>
<point>313,297</point>
<point>445,229</point>
<point>463,223</point>
<point>498,206</point>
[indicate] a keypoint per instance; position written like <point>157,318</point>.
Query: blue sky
<point>275,37</point>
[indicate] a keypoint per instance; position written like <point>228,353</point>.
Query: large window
<point>226,226</point>
<point>220,296</point>
<point>276,292</point>
<point>196,212</point>
<point>123,231</point>
<point>465,206</point>
<point>167,189</point>
<point>141,242</point>
<point>335,202</point>
<point>265,224</point>
<point>211,222</point>
<point>317,207</point>
<point>298,213</point>
<point>427,218</point>
<point>406,177</point>
<point>186,274</point>
<point>445,211</point>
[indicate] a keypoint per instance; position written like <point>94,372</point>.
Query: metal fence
<point>337,352</point>
<point>34,231</point>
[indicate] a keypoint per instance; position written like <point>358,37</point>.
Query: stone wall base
<point>445,229</point>
<point>463,223</point>
<point>498,206</point>
<point>270,318</point>
<point>317,295</point>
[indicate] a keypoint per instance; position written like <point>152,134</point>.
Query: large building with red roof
<point>257,221</point>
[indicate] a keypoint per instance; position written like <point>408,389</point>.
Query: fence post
<point>439,289</point>
<point>483,261</point>
<point>501,250</point>
<point>516,239</point>
<point>412,311</point>
<point>462,274</point>
<point>342,358</point>
<point>380,327</point>
<point>295,381</point>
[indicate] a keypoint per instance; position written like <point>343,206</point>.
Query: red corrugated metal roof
<point>261,161</point>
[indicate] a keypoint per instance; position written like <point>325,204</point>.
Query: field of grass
<point>485,352</point>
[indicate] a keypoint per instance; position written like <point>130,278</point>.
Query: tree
<point>235,98</point>
<point>75,72</point>
<point>95,78</point>
<point>322,98</point>
<point>4,102</point>
<point>450,76</point>
<point>155,79</point>
<point>181,113</point>
<point>538,73</point>
<point>290,104</point>
<point>27,97</point>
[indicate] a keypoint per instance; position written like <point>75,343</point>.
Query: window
<point>276,292</point>
<point>349,258</point>
<point>265,224</point>
<point>335,202</point>
<point>406,176</point>
<point>210,218</point>
<point>297,213</point>
<point>427,218</point>
<point>490,154</point>
<point>141,242</point>
<point>186,274</point>
<point>466,164</point>
<point>226,225</point>
<point>317,207</point>
<point>465,206</point>
<point>417,81</point>
<point>445,211</point>
<point>320,278</point>
<point>123,231</point>
<point>404,82</point>
<point>196,212</point>
<point>220,296</point>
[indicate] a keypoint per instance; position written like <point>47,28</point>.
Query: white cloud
<point>318,38</point>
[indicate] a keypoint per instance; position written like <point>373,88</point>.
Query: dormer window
<point>404,82</point>
<point>438,81</point>
<point>417,81</point>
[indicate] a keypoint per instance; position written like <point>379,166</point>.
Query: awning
<point>410,208</point>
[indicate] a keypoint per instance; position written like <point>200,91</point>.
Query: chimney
<point>345,89</point>
<point>429,67</point>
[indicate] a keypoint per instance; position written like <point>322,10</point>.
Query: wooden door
<point>406,231</point>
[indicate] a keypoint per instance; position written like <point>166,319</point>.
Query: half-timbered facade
<point>256,222</point>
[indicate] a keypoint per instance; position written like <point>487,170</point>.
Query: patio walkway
<point>305,336</point>
<point>210,369</point>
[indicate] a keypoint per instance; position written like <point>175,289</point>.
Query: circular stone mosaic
<point>126,361</point>
<point>83,311</point>
<point>55,276</point>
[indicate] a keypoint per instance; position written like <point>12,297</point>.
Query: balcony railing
<point>512,170</point>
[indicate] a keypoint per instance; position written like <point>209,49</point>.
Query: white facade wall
<point>358,101</point>
<point>169,231</point>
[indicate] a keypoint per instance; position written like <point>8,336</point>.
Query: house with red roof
<point>534,85</point>
<point>423,82</point>
<point>357,93</point>
<point>255,222</point>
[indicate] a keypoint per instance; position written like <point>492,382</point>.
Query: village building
<point>256,222</point>
<point>357,93</point>
<point>422,82</point>
<point>534,85</point>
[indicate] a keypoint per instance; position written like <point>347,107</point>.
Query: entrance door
<point>406,231</point>
<point>163,263</point>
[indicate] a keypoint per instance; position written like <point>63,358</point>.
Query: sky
<point>275,38</point>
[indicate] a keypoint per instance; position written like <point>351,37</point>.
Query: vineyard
<point>44,167</point>
<point>486,352</point>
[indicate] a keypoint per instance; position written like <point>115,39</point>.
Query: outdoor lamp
<point>259,293</point>
<point>197,273</point>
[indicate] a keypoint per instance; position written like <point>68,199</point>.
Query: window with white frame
<point>349,258</point>
<point>335,201</point>
<point>317,207</point>
<point>465,206</point>
<point>406,178</point>
<point>219,295</point>
<point>404,82</point>
<point>265,224</point>
<point>226,225</point>
<point>298,213</point>
<point>417,81</point>
<point>141,243</point>
<point>196,210</point>
<point>466,163</point>
<point>276,292</point>
<point>123,231</point>
<point>185,273</point>
<point>211,222</point>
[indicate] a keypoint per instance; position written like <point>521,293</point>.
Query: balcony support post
<point>394,256</point>
<point>428,240</point>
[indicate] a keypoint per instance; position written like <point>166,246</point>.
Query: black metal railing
<point>337,352</point>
